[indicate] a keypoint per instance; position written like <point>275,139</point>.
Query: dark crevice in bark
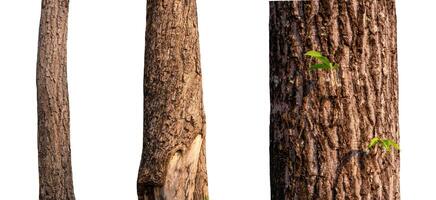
<point>359,154</point>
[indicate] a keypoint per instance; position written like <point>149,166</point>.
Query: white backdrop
<point>105,66</point>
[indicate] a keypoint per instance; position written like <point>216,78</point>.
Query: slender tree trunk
<point>173,164</point>
<point>55,176</point>
<point>322,121</point>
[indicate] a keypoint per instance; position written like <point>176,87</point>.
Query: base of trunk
<point>180,180</point>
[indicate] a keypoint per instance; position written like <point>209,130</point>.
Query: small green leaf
<point>318,66</point>
<point>323,60</point>
<point>386,145</point>
<point>313,53</point>
<point>373,142</point>
<point>318,56</point>
<point>393,144</point>
<point>396,146</point>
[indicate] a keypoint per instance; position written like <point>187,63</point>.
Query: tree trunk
<point>173,163</point>
<point>322,121</point>
<point>54,158</point>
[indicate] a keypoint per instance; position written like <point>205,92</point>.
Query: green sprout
<point>324,61</point>
<point>386,144</point>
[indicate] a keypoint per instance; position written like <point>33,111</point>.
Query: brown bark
<point>322,121</point>
<point>54,159</point>
<point>173,163</point>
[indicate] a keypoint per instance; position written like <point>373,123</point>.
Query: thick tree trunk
<point>322,121</point>
<point>54,159</point>
<point>173,163</point>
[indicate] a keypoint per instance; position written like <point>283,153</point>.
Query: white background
<point>105,69</point>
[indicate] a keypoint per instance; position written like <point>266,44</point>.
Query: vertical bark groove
<point>320,118</point>
<point>54,159</point>
<point>174,121</point>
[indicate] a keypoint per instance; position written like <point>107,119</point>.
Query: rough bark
<point>54,158</point>
<point>322,121</point>
<point>173,163</point>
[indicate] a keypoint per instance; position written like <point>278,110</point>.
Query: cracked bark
<point>54,159</point>
<point>320,120</point>
<point>173,163</point>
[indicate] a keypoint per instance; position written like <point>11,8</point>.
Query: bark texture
<point>54,158</point>
<point>173,163</point>
<point>322,121</point>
